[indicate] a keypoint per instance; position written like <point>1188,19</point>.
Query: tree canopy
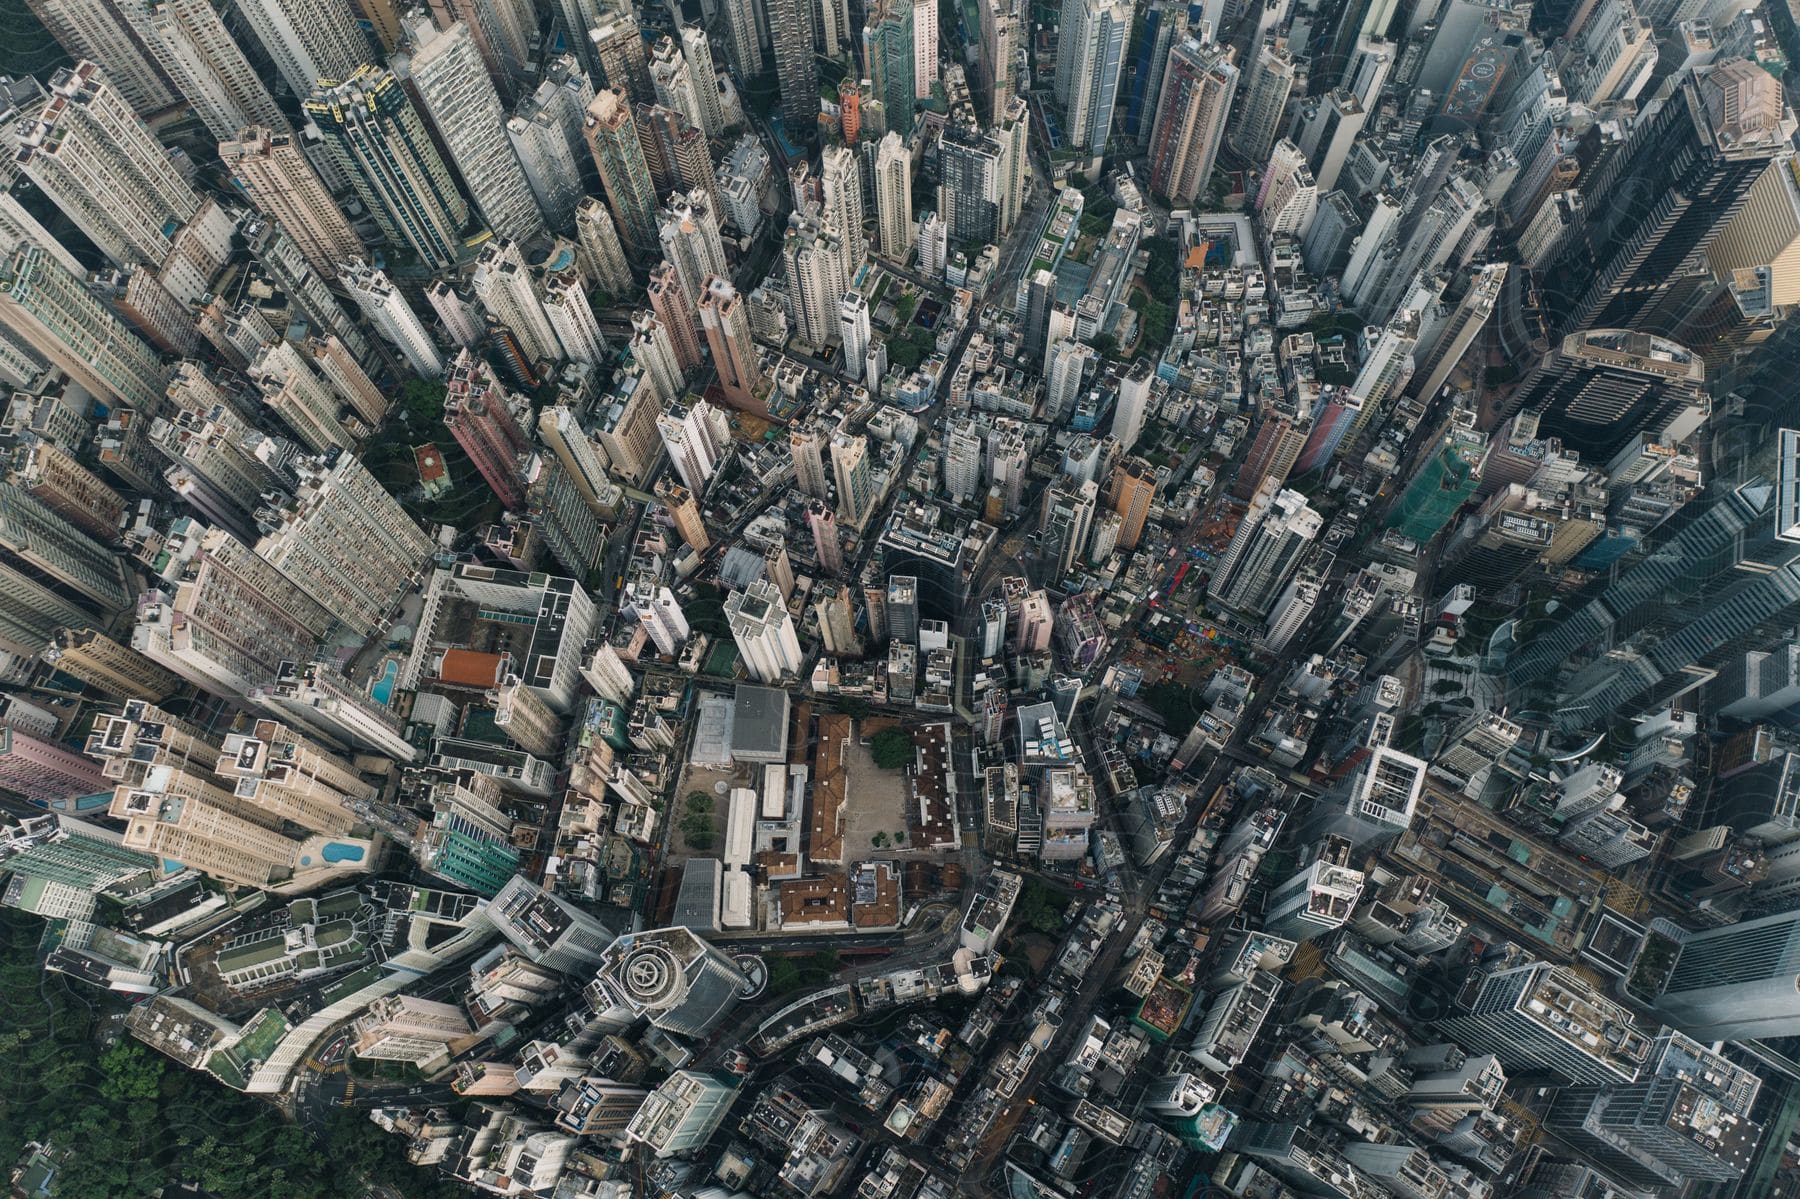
<point>130,1121</point>
<point>891,749</point>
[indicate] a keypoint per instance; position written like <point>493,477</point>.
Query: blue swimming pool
<point>383,690</point>
<point>337,851</point>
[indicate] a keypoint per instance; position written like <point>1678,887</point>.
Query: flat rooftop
<point>759,720</point>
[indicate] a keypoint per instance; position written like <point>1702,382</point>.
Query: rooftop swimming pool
<point>383,689</point>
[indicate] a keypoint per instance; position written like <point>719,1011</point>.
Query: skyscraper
<point>405,1028</point>
<point>102,32</point>
<point>32,612</point>
<point>1288,197</point>
<point>547,930</point>
<point>837,620</point>
<point>826,549</point>
<point>764,632</point>
<point>69,326</point>
<point>43,770</point>
<point>91,154</point>
<point>681,1113</point>
<point>670,976</point>
<point>999,45</point>
<point>1089,63</point>
<point>741,26</point>
<point>52,476</point>
<point>38,543</point>
<point>841,180</point>
<point>502,29</point>
<point>817,276</point>
<point>964,450</point>
<point>808,443</point>
<point>198,53</point>
<point>1738,981</point>
<point>796,70</point>
<point>233,619</point>
<point>853,330</point>
<point>1279,438</point>
<point>618,51</point>
<point>455,313</point>
<point>1131,492</point>
<point>894,227</point>
<point>654,351</point>
<point>1190,123</point>
<point>283,265</point>
<point>833,29</point>
<point>1542,1017</point>
<point>981,171</point>
<point>384,307</point>
<point>676,315</point>
<point>310,40</point>
<point>1386,366</point>
<point>696,48</point>
<point>734,353</point>
<point>698,437</point>
<point>315,697</point>
<point>345,541</point>
<point>1266,550</point>
<point>1601,387</point>
<point>503,283</point>
<point>676,152</point>
<point>1472,309</point>
<point>175,804</point>
<point>889,53</point>
<point>673,82</point>
<point>612,138</point>
<point>110,668</point>
<point>679,502</point>
<point>691,242</point>
<point>572,316</point>
<point>453,84</point>
<point>925,49</point>
<point>1256,116</point>
<point>1067,362</point>
<point>272,171</point>
<point>279,771</point>
<point>303,400</point>
<point>1329,126</point>
<point>1375,803</point>
<point>1068,521</point>
<point>377,138</point>
<point>663,620</point>
<point>601,256</point>
<point>574,447</point>
<point>545,132</point>
<point>855,487</point>
<point>1687,1119</point>
<point>1684,170</point>
<point>1133,405</point>
<point>483,416</point>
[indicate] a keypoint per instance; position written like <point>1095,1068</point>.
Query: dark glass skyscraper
<point>1600,388</point>
<point>888,57</point>
<point>1689,162</point>
<point>1724,578</point>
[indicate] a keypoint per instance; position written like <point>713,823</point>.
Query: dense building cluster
<point>782,599</point>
